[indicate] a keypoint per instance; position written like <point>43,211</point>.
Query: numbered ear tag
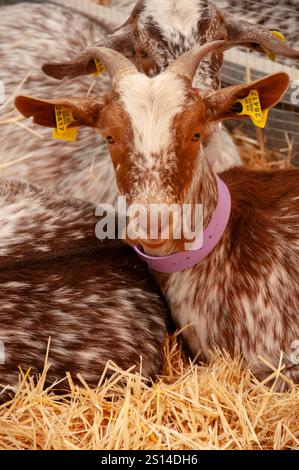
<point>281,37</point>
<point>64,117</point>
<point>100,68</point>
<point>252,107</point>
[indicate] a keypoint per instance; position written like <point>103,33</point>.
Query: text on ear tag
<point>252,108</point>
<point>64,117</point>
<point>281,37</point>
<point>100,67</point>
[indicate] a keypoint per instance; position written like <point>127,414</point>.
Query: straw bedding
<point>219,406</point>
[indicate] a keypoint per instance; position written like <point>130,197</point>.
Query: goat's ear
<point>223,104</point>
<point>255,36</point>
<point>84,64</point>
<point>85,111</point>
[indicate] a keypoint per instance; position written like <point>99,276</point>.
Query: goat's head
<point>158,32</point>
<point>155,127</point>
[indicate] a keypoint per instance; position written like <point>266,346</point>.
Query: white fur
<point>152,112</point>
<point>178,15</point>
<point>221,151</point>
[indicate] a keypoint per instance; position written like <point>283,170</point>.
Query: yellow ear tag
<point>100,68</point>
<point>252,108</point>
<point>64,117</point>
<point>281,37</point>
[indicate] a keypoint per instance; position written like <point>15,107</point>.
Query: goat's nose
<point>155,222</point>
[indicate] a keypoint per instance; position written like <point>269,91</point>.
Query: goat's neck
<point>203,189</point>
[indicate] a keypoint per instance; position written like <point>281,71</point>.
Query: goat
<point>244,293</point>
<point>158,31</point>
<point>94,298</point>
<point>83,169</point>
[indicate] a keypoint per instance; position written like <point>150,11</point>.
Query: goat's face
<point>155,126</point>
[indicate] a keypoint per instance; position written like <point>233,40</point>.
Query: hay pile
<point>257,156</point>
<point>189,407</point>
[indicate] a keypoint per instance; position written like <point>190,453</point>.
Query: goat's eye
<point>143,54</point>
<point>110,139</point>
<point>196,137</point>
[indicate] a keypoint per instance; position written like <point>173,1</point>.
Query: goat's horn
<point>251,35</point>
<point>188,62</point>
<point>116,65</point>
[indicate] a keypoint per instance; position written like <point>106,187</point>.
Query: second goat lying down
<point>241,293</point>
<point>95,299</point>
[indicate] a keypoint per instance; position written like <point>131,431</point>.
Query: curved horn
<point>187,64</point>
<point>116,64</point>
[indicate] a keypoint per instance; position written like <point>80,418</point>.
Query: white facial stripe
<point>152,104</point>
<point>174,15</point>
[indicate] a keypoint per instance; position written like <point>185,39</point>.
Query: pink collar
<point>211,236</point>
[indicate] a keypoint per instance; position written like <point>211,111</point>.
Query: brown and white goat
<point>245,294</point>
<point>158,32</point>
<point>83,169</point>
<point>95,299</point>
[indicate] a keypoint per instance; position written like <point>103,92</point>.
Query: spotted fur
<point>162,31</point>
<point>168,29</point>
<point>244,296</point>
<point>95,299</point>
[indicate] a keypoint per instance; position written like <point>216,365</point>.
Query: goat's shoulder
<point>261,189</point>
<point>265,213</point>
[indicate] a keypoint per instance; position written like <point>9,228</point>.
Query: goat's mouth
<point>146,243</point>
<point>152,243</point>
